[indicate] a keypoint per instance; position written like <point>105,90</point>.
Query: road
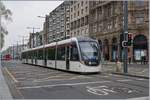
<point>34,82</point>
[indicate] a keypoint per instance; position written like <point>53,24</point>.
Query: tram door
<point>32,54</point>
<point>35,57</point>
<point>45,57</point>
<point>67,57</point>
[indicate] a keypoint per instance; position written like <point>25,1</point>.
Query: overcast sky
<point>25,15</point>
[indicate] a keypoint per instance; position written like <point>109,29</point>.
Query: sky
<point>25,15</point>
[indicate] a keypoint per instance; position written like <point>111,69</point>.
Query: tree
<point>6,14</point>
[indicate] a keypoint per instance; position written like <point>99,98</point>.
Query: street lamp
<point>33,28</point>
<point>43,40</point>
<point>23,40</point>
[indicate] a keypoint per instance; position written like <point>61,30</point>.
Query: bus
<point>76,54</point>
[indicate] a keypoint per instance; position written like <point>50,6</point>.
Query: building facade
<point>59,22</point>
<point>36,39</point>
<point>106,25</point>
<point>102,20</point>
<point>79,13</point>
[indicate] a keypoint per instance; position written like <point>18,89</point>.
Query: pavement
<point>33,82</point>
<point>4,90</point>
<point>134,69</point>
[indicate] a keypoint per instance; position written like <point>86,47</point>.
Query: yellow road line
<point>10,74</point>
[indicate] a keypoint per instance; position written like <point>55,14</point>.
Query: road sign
<point>124,43</point>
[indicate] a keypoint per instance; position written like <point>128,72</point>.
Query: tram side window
<point>74,52</point>
<point>61,53</point>
<point>40,54</point>
<point>51,54</point>
<point>29,55</point>
<point>23,55</point>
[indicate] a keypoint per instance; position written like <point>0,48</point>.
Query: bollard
<point>118,66</point>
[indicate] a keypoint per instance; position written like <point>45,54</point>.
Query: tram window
<point>74,52</point>
<point>29,55</point>
<point>40,54</point>
<point>61,53</point>
<point>51,54</point>
<point>22,55</point>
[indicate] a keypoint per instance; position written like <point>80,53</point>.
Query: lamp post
<point>0,40</point>
<point>23,40</point>
<point>125,34</point>
<point>44,42</point>
<point>33,28</point>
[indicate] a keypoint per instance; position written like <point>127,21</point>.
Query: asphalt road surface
<point>34,82</point>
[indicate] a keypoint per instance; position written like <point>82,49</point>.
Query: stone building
<point>79,13</point>
<point>106,25</point>
<point>59,22</point>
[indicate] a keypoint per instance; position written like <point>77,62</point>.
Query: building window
<point>71,17</point>
<point>78,23</point>
<point>139,20</point>
<point>75,24</point>
<point>94,28</point>
<point>72,26</point>
<point>115,23</point>
<point>67,25</point>
<point>109,27</point>
<point>78,5</point>
<point>99,12</point>
<point>78,13</point>
<point>82,11</point>
<point>82,21</point>
<point>109,11</point>
<point>82,3</point>
<point>74,15</point>
<point>71,9</point>
<point>86,9</point>
<point>86,2</point>
<point>139,17</point>
<point>86,20</point>
<point>100,26</point>
<point>139,3</point>
<point>74,8</point>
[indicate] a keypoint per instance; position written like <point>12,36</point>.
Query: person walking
<point>129,60</point>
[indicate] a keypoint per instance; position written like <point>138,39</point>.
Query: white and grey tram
<point>77,54</point>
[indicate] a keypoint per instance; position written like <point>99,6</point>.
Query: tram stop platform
<point>4,90</point>
<point>134,69</point>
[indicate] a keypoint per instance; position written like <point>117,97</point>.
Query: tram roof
<point>62,42</point>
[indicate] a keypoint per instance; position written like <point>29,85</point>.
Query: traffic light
<point>124,43</point>
<point>129,39</point>
<point>129,42</point>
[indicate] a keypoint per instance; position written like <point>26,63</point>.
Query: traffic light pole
<point>125,34</point>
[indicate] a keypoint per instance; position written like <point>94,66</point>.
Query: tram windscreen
<point>89,52</point>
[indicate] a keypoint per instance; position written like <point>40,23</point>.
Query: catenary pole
<point>125,34</point>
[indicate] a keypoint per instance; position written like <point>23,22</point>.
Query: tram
<point>76,54</point>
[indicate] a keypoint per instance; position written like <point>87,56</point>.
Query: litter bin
<point>118,66</point>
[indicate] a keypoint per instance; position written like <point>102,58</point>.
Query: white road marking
<point>100,90</point>
<point>10,74</point>
<point>49,78</point>
<point>125,80</point>
<point>60,79</point>
<point>71,84</point>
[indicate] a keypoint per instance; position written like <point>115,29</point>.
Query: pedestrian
<point>142,59</point>
<point>129,60</point>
